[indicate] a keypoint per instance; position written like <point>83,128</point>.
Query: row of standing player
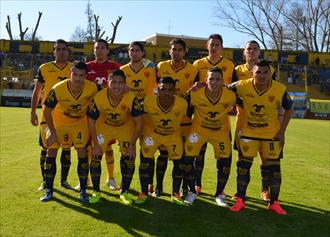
<point>177,68</point>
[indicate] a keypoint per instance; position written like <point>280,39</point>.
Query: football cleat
<point>95,198</point>
<point>220,200</point>
<point>157,193</point>
<point>178,200</point>
<point>83,197</point>
<point>125,198</point>
<point>276,207</point>
<point>239,205</point>
<point>142,198</point>
<point>48,196</point>
<point>65,184</point>
<point>190,198</point>
<point>112,184</point>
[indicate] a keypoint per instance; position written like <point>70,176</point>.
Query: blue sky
<point>140,19</point>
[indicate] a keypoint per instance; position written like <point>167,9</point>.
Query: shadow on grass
<point>161,217</point>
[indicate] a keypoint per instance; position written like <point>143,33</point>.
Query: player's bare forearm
<point>286,119</point>
<point>49,119</point>
<point>36,96</point>
<point>138,121</point>
<point>34,103</point>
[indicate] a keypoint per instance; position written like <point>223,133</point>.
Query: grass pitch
<point>305,193</point>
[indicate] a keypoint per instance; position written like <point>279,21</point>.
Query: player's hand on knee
<point>131,151</point>
<point>51,139</point>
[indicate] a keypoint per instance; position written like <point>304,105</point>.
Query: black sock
<point>275,179</point>
<point>243,176</point>
<point>50,172</point>
<point>161,167</point>
<point>223,166</point>
<point>127,167</point>
<point>42,160</point>
<point>65,164</point>
<point>95,169</point>
<point>177,175</point>
<point>145,171</point>
<point>265,173</point>
<point>189,172</point>
<point>199,165</point>
<point>152,169</point>
<point>82,172</point>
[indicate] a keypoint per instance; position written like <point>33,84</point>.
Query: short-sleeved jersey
<point>204,64</point>
<point>242,72</point>
<point>164,124</point>
<point>211,118</point>
<point>69,109</point>
<point>260,118</point>
<point>49,74</point>
<point>114,116</point>
<point>184,77</point>
<point>98,72</point>
<point>141,82</point>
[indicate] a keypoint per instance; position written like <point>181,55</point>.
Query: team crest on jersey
<point>187,75</point>
<point>225,105</point>
<point>146,150</point>
<point>271,98</point>
<point>258,108</point>
<point>147,74</point>
<point>165,122</point>
<point>212,114</point>
<point>177,114</point>
<point>123,107</point>
<point>136,83</point>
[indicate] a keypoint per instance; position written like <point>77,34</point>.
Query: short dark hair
<point>262,63</point>
<point>216,69</point>
<point>166,80</point>
<point>216,36</point>
<point>104,42</point>
<point>80,65</point>
<point>119,73</point>
<point>178,41</point>
<point>253,42</point>
<point>60,41</point>
<point>138,44</point>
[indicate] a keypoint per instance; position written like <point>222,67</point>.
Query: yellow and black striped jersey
<point>141,82</point>
<point>68,108</point>
<point>204,64</point>
<point>211,117</point>
<point>260,117</point>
